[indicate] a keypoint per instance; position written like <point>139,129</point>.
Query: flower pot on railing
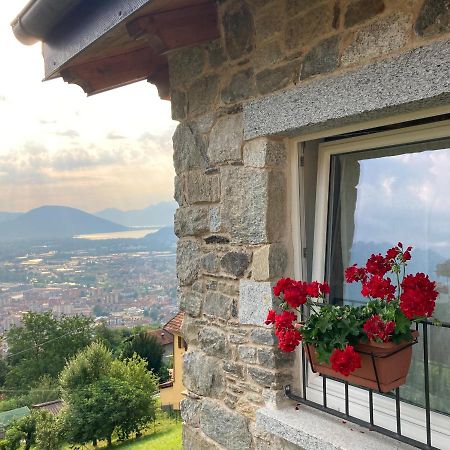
<point>369,345</point>
<point>384,365</point>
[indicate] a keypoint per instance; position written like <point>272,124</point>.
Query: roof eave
<point>103,45</point>
<point>38,19</point>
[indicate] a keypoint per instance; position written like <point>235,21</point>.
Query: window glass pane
<point>382,196</point>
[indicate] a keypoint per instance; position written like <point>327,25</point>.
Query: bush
<point>13,438</point>
<point>49,431</point>
<point>106,396</point>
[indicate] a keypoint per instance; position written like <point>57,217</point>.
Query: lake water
<point>130,234</point>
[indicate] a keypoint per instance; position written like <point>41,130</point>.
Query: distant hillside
<point>163,240</point>
<point>4,216</point>
<point>51,222</point>
<point>157,215</point>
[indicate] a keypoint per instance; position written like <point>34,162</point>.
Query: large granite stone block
<point>255,300</point>
<point>224,426</point>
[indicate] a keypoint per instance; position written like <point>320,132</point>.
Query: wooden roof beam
<point>160,32</point>
<point>178,28</point>
<point>108,73</point>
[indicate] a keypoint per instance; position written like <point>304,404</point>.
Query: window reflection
<point>382,196</point>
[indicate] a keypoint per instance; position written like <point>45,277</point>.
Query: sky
<point>60,147</point>
<point>406,198</point>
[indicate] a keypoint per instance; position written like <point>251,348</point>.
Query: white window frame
<point>412,417</point>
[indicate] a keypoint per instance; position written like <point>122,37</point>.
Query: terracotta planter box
<point>384,366</point>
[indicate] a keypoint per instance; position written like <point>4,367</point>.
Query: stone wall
<point>233,219</point>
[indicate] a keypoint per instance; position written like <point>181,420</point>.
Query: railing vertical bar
<point>345,415</point>
<point>397,411</point>
<point>304,365</point>
<point>347,410</point>
<point>371,406</point>
<point>427,382</point>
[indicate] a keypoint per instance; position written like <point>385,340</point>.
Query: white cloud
<point>387,184</point>
<point>405,198</point>
<point>424,192</point>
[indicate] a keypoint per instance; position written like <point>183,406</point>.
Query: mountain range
<point>160,214</point>
<point>63,222</point>
<point>55,222</point>
<point>9,215</point>
<point>164,239</point>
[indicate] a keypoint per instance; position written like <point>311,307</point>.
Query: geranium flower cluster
<point>345,361</point>
<point>379,330</point>
<point>418,294</point>
<point>296,293</point>
<point>286,329</point>
<point>408,298</point>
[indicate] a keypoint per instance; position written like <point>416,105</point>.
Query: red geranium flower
<point>392,253</point>
<point>285,319</point>
<point>325,288</point>
<point>288,339</point>
<point>406,255</point>
<point>419,296</point>
<point>296,294</point>
<point>354,273</point>
<point>375,328</point>
<point>316,289</point>
<point>289,336</point>
<point>378,265</point>
<point>313,289</point>
<point>281,286</point>
<point>345,361</point>
<point>271,316</point>
<point>378,287</point>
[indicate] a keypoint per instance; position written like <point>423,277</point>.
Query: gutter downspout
<point>39,18</point>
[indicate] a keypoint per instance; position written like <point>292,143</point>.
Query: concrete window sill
<point>314,430</point>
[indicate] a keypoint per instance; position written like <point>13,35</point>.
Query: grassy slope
<point>164,434</point>
<point>167,439</point>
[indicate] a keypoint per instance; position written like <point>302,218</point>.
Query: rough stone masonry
<point>233,219</point>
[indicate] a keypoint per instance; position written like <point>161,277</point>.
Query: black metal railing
<point>302,398</point>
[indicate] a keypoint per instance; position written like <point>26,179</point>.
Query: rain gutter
<point>39,18</point>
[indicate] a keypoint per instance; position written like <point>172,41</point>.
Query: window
<point>358,196</point>
<point>182,343</point>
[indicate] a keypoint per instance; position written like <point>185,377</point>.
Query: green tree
<point>148,348</point>
<point>49,431</point>
<point>13,437</point>
<point>99,310</point>
<point>87,367</point>
<point>142,402</point>
<point>104,395</point>
<point>3,371</point>
<point>23,429</point>
<point>45,390</point>
<point>112,338</point>
<point>155,313</point>
<point>42,345</point>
